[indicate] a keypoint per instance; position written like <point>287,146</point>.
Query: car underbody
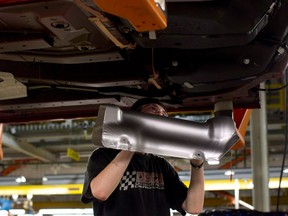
<point>71,56</point>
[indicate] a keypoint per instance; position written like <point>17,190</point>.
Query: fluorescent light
<point>213,162</point>
<point>72,214</point>
<point>251,185</point>
<point>3,213</point>
<point>29,196</point>
<point>15,197</point>
<point>21,179</point>
<point>285,170</point>
<point>25,215</point>
<point>247,205</point>
<point>75,211</point>
<point>229,173</point>
<point>17,211</point>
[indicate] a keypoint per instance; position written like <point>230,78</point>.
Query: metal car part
<point>11,88</point>
<point>45,29</point>
<point>210,51</point>
<point>143,15</point>
<point>140,132</point>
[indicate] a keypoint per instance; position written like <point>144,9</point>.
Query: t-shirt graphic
<point>142,180</point>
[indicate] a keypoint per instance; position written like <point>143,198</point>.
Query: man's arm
<point>108,179</point>
<point>194,201</point>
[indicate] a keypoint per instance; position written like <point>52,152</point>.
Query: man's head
<point>149,105</point>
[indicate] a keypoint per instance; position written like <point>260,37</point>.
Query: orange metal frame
<point>241,118</point>
<point>144,15</point>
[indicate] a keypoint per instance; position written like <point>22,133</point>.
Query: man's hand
<point>196,163</point>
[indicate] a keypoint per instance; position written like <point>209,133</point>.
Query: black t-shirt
<point>149,187</point>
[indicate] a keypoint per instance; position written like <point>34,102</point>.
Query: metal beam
<point>259,156</point>
<point>27,148</point>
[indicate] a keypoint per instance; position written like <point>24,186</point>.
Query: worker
<point>126,183</point>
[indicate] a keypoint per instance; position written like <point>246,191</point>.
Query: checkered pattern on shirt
<point>128,181</point>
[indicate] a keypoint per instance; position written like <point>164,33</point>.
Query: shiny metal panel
<point>140,132</point>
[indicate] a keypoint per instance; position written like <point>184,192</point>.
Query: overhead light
<point>21,179</point>
<point>71,214</point>
<point>15,197</point>
<point>29,196</point>
<point>17,211</point>
<point>25,215</point>
<point>251,185</point>
<point>285,170</point>
<point>247,205</point>
<point>213,162</point>
<point>72,211</point>
<point>229,173</point>
<point>3,212</point>
<point>10,88</point>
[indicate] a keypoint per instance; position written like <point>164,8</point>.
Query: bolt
<point>126,30</point>
<point>175,63</point>
<point>246,61</point>
<point>281,50</point>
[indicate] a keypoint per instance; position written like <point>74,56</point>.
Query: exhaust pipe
<point>146,133</point>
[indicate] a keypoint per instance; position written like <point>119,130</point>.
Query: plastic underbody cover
<point>134,131</point>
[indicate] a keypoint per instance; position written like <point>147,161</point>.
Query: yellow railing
<point>210,185</point>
